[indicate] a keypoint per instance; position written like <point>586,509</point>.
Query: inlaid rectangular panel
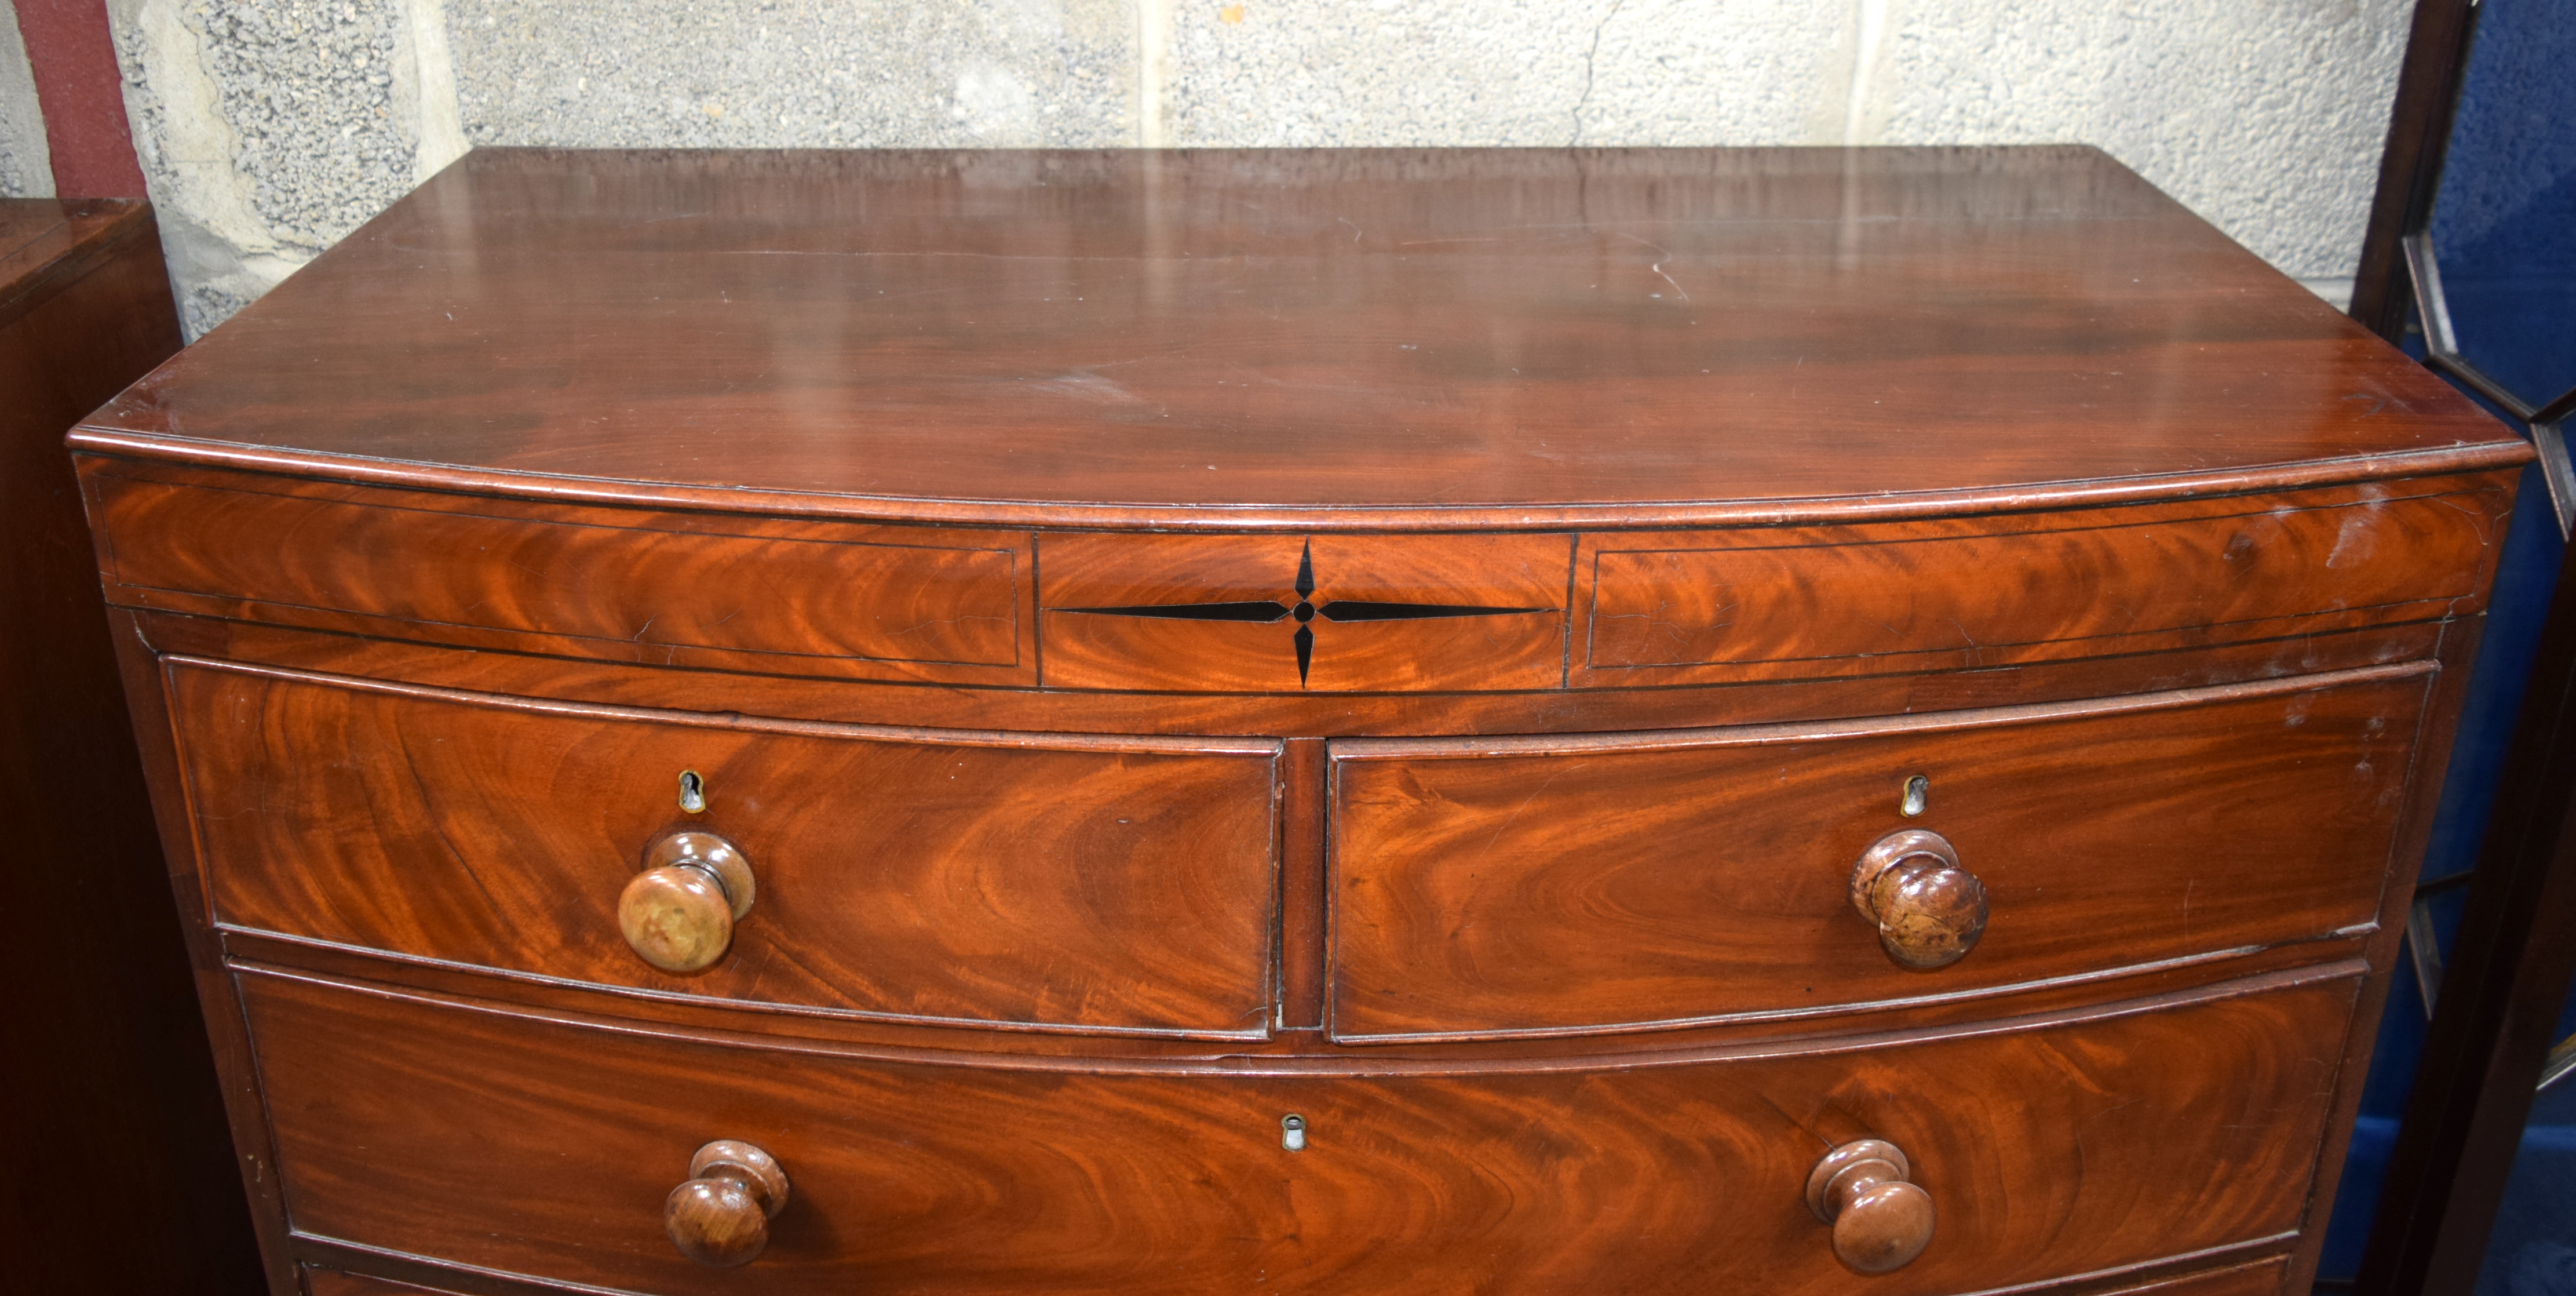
<point>544,1146</point>
<point>1285,613</point>
<point>1580,883</point>
<point>1785,602</point>
<point>1073,883</point>
<point>746,593</point>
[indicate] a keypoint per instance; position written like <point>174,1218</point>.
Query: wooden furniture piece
<point>1500,721</point>
<point>112,1090</point>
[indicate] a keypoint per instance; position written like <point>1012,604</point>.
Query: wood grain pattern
<point>870,602</point>
<point>334,1282</point>
<point>1037,966</point>
<point>1308,714</point>
<point>2073,1149</point>
<point>720,1215</point>
<point>1929,910</point>
<point>1494,887</point>
<point>2263,1279</point>
<point>677,919</point>
<point>1668,607</point>
<point>1304,890</point>
<point>2260,1278</point>
<point>1521,646</point>
<point>1304,340</point>
<point>1881,1219</point>
<point>1057,882</point>
<point>904,1040</point>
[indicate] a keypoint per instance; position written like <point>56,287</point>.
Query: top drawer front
<point>1567,885</point>
<point>1068,883</point>
<point>738,593</point>
<point>1790,602</point>
<point>1319,613</point>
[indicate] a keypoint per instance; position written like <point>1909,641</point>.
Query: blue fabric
<point>2533,1249</point>
<point>2504,220</point>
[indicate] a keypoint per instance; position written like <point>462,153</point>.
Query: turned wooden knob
<point>1881,1219</point>
<point>721,1215</point>
<point>680,911</point>
<point>1929,911</point>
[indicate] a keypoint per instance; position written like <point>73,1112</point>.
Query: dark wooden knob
<point>1881,1219</point>
<point>721,1215</point>
<point>1929,911</point>
<point>679,913</point>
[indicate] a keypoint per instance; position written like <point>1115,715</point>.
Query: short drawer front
<point>1290,613</point>
<point>543,1147</point>
<point>751,594</point>
<point>1701,607</point>
<point>1102,884</point>
<point>1557,886</point>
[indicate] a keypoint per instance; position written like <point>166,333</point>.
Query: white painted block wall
<point>269,128</point>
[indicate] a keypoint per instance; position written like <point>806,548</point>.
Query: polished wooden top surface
<point>50,242</point>
<point>1292,339</point>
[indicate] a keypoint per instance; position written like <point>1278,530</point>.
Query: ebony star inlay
<point>1304,610</point>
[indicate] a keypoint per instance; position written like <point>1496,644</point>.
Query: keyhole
<point>1292,1132</point>
<point>1918,795</point>
<point>693,792</point>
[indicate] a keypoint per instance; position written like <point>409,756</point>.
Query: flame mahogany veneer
<point>1340,721</point>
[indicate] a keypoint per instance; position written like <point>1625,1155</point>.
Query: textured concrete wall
<point>2267,118</point>
<point>765,74</point>
<point>1510,72</point>
<point>26,166</point>
<point>270,128</point>
<point>267,131</point>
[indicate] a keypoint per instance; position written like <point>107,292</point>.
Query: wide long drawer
<point>1559,885</point>
<point>545,1146</point>
<point>1113,884</point>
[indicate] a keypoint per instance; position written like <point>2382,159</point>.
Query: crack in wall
<point>1590,58</point>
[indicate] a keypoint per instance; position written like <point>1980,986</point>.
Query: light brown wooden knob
<point>1929,911</point>
<point>679,913</point>
<point>1881,1219</point>
<point>721,1215</point>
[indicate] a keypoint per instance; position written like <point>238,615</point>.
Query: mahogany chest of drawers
<point>1490,721</point>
